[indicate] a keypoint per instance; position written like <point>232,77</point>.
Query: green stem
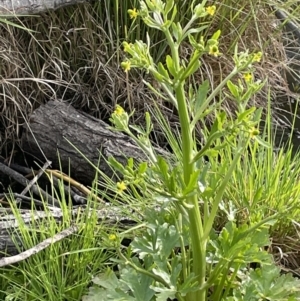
<point>215,206</point>
<point>196,227</point>
<point>182,246</point>
<point>147,150</point>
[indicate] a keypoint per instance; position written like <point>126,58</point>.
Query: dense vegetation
<point>220,215</point>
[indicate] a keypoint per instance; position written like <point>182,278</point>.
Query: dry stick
<point>22,180</point>
<point>39,247</point>
<point>72,182</point>
<point>35,178</point>
<point>76,197</point>
<point>18,196</point>
<point>108,214</point>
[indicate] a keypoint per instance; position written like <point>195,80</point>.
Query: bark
<point>30,7</point>
<point>64,136</point>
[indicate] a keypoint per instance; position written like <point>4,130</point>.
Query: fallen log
<point>31,7</point>
<point>58,133</point>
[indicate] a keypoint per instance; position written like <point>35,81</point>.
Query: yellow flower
<point>214,50</point>
<point>133,13</point>
<point>112,237</point>
<point>247,77</point>
<point>119,111</point>
<point>211,10</point>
<point>257,57</point>
<point>253,132</point>
<point>126,66</point>
<point>121,187</point>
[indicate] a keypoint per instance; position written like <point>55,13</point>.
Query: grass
<point>260,186</point>
<point>74,54</point>
<point>64,269</point>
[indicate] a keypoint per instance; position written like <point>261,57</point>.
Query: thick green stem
<point>199,251</point>
<point>196,227</point>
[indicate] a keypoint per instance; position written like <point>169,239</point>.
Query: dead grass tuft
<point>73,56</point>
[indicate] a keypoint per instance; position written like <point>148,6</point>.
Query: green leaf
<point>138,283</point>
<point>163,168</point>
<point>193,41</point>
<point>214,136</point>
<point>174,13</point>
<point>200,104</point>
<point>192,31</point>
<point>110,289</point>
<point>116,165</point>
<point>170,65</point>
<point>130,163</point>
<point>169,5</point>
<point>237,244</point>
<point>257,115</point>
<point>175,31</point>
<point>247,95</point>
<point>190,69</point>
<point>148,123</point>
<point>138,129</point>
<point>218,124</point>
<point>5,21</point>
<point>258,195</point>
<point>190,284</point>
<point>268,282</point>
<point>172,182</point>
<point>216,35</point>
<point>162,70</point>
<point>242,116</point>
<point>164,294</point>
<point>107,280</point>
<point>142,168</point>
<point>95,293</point>
<point>193,183</point>
<point>179,28</point>
<point>159,241</point>
<point>262,142</point>
<point>233,89</point>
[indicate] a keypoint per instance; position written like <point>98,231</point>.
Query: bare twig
<point>11,237</point>
<point>19,197</point>
<point>79,186</point>
<point>22,180</point>
<point>36,177</point>
<point>39,247</point>
<point>78,199</point>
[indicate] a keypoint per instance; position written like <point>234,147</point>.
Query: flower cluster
<point>211,10</point>
<point>121,186</point>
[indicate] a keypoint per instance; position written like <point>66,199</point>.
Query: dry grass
<point>73,56</point>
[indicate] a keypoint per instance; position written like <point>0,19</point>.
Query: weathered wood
<point>29,185</point>
<point>38,248</point>
<point>31,7</point>
<point>54,125</point>
<point>11,239</point>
